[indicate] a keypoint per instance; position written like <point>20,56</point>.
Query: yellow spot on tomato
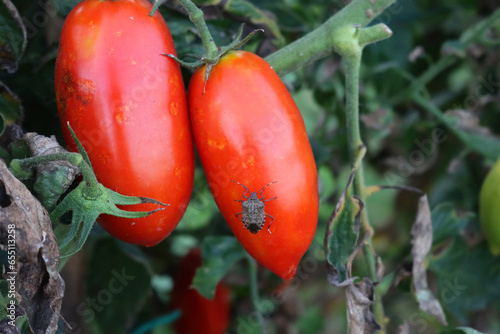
<point>173,80</point>
<point>217,144</point>
<point>251,160</point>
<point>174,108</point>
<point>120,117</point>
<point>119,33</point>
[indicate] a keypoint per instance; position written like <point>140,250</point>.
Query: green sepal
<point>86,209</point>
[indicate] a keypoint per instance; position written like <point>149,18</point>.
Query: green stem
<point>477,31</point>
<point>428,106</point>
<point>318,43</point>
<point>374,34</point>
<point>424,79</point>
<point>196,16</point>
<point>351,52</point>
<point>254,290</point>
<point>156,5</point>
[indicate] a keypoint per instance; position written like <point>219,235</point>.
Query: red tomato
<point>127,105</point>
<point>199,314</point>
<point>247,128</point>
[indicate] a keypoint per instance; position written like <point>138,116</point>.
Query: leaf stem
<point>254,290</point>
<point>196,16</point>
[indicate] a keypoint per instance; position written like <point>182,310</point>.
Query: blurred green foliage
<point>408,142</point>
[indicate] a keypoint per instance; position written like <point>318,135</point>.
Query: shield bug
<point>253,215</point>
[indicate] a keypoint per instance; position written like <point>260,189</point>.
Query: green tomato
<point>489,208</point>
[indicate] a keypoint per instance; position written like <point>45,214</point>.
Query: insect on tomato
<point>127,105</point>
<point>247,128</point>
<point>199,314</point>
<point>254,215</point>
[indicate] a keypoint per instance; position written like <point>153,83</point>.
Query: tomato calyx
<point>211,61</point>
<point>86,202</point>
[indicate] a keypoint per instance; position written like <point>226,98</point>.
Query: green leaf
<point>461,330</point>
<point>218,256</point>
<point>200,211</point>
<point>312,321</point>
<point>117,285</point>
<point>445,222</point>
<point>182,244</point>
<point>342,235</point>
<point>311,111</point>
<point>468,278</point>
<point>65,6</point>
<point>11,109</point>
<point>12,36</point>
<point>343,239</point>
<point>202,207</point>
<point>326,183</point>
<point>380,205</point>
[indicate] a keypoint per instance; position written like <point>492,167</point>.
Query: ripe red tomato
<point>199,314</point>
<point>127,105</point>
<point>247,128</point>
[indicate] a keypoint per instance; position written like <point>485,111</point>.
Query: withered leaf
<point>39,287</point>
<point>341,236</point>
<point>422,242</point>
<point>360,318</point>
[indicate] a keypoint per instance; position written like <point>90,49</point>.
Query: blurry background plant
<point>430,111</point>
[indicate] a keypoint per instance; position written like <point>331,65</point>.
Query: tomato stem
<point>254,288</point>
<point>348,44</point>
<point>318,43</point>
<point>156,5</point>
<point>196,16</point>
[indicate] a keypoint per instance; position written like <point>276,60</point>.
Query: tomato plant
<point>199,314</point>
<point>248,129</point>
<point>389,118</point>
<point>127,104</point>
<point>489,199</point>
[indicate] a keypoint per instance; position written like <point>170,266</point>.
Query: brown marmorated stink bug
<point>253,215</point>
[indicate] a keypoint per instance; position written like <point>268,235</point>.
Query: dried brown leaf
<point>360,318</point>
<point>39,287</point>
<point>422,242</point>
